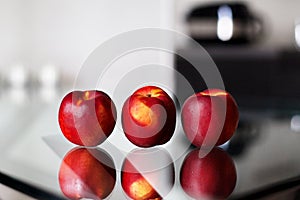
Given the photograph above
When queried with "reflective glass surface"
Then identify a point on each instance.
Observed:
(35, 158)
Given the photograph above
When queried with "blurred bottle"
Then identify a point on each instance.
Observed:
(48, 83)
(17, 84)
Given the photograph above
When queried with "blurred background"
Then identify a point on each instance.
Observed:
(255, 45)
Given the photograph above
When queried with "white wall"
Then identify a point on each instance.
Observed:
(64, 32)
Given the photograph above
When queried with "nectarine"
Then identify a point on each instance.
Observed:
(87, 118)
(149, 117)
(209, 118)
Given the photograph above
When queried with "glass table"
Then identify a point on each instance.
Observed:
(265, 150)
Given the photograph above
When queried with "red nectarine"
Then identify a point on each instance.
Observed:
(87, 118)
(149, 117)
(209, 118)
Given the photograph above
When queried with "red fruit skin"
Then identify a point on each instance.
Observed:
(143, 165)
(211, 177)
(155, 119)
(87, 118)
(87, 173)
(197, 116)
